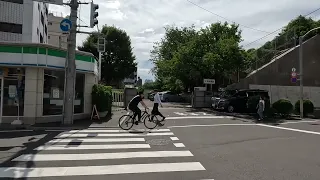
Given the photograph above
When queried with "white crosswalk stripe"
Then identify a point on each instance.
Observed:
(109, 152)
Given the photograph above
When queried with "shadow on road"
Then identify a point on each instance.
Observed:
(28, 147)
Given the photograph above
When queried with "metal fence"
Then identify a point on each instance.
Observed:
(117, 98)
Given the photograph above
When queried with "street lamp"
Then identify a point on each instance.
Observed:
(301, 68)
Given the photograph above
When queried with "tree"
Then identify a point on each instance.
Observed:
(185, 56)
(286, 39)
(118, 61)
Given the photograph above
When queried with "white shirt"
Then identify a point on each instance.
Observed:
(157, 98)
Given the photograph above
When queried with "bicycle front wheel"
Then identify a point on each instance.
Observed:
(125, 122)
(150, 122)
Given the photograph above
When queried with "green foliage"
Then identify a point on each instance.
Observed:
(102, 97)
(286, 39)
(283, 107)
(118, 61)
(308, 107)
(140, 89)
(185, 56)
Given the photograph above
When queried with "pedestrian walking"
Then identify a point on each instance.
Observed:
(156, 102)
(260, 107)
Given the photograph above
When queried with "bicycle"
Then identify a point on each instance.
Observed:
(145, 117)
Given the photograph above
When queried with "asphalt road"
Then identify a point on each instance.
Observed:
(192, 145)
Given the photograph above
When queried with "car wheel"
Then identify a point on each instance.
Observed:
(230, 109)
(166, 100)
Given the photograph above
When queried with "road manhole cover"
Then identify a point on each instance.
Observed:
(158, 142)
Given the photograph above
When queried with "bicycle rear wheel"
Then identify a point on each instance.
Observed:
(150, 122)
(125, 122)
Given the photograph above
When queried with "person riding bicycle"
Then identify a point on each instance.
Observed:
(133, 105)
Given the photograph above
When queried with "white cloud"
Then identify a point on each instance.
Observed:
(144, 20)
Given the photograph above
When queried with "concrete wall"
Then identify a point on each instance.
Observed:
(290, 92)
(278, 71)
(201, 99)
(129, 93)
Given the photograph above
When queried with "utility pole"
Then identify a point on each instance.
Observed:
(70, 70)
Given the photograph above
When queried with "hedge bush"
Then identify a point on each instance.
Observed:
(283, 107)
(102, 97)
(308, 107)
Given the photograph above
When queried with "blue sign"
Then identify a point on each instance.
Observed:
(294, 80)
(65, 25)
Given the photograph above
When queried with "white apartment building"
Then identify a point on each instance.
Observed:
(55, 35)
(23, 21)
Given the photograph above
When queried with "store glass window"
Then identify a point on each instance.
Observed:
(13, 91)
(79, 94)
(53, 92)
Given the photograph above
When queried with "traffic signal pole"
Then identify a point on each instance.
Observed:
(70, 67)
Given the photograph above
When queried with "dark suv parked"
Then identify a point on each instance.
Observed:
(236, 101)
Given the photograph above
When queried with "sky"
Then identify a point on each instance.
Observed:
(144, 20)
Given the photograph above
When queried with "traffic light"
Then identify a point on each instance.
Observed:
(93, 14)
(101, 44)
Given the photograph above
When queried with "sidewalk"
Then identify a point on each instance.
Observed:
(106, 122)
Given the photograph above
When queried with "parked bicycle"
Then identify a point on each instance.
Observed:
(126, 121)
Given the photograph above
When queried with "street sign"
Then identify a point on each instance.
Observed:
(209, 81)
(57, 2)
(65, 25)
(293, 75)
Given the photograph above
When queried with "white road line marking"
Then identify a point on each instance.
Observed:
(210, 125)
(100, 140)
(200, 117)
(100, 156)
(179, 145)
(22, 172)
(297, 122)
(114, 135)
(290, 129)
(174, 138)
(180, 114)
(114, 130)
(103, 146)
(194, 114)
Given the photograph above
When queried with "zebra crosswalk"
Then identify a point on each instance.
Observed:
(111, 153)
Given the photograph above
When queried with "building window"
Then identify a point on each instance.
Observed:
(79, 94)
(38, 6)
(14, 1)
(10, 27)
(13, 92)
(48, 37)
(50, 23)
(42, 18)
(41, 38)
(53, 92)
(37, 31)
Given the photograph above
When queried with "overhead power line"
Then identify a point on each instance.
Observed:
(225, 17)
(277, 30)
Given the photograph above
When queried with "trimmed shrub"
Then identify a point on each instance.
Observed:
(283, 107)
(102, 97)
(308, 107)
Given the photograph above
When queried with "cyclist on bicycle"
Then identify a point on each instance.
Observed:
(133, 105)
